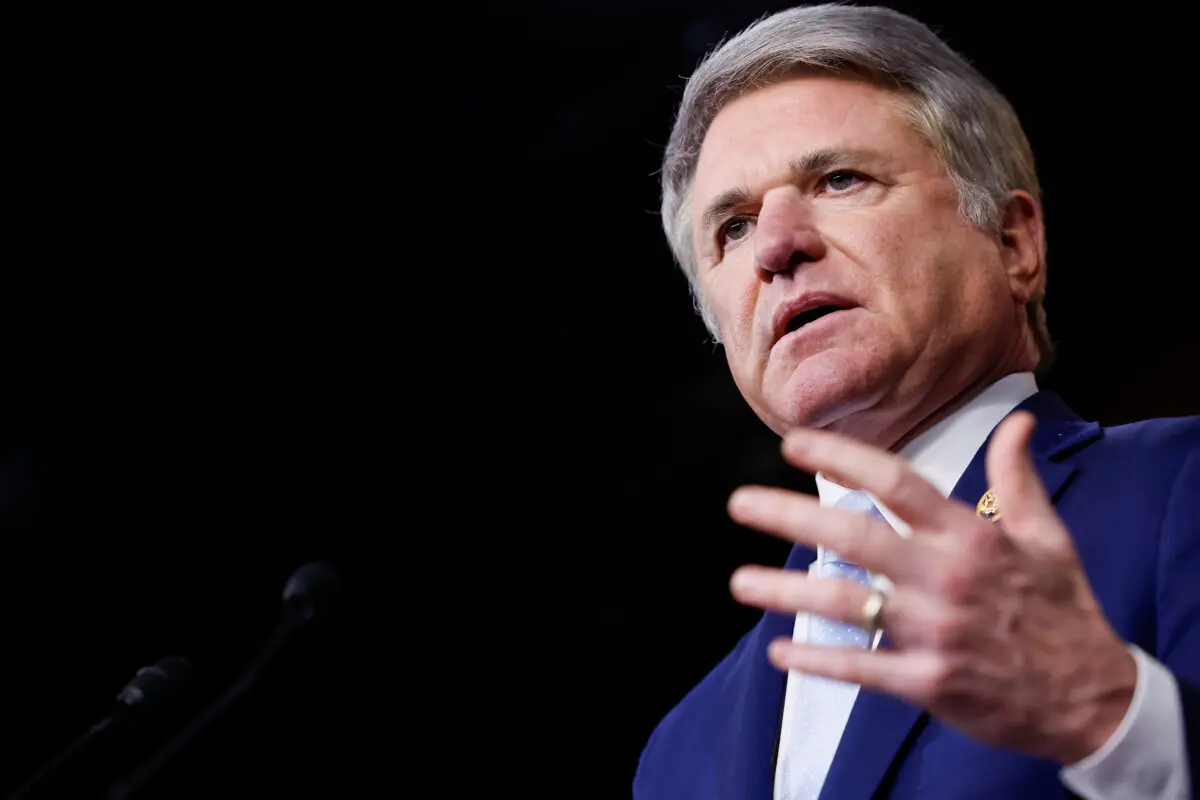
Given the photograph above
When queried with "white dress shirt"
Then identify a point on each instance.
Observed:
(1146, 758)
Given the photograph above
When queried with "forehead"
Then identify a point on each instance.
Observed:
(752, 138)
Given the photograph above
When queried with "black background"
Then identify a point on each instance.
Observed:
(389, 289)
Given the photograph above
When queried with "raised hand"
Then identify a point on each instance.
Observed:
(994, 626)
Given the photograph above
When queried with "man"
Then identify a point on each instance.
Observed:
(992, 598)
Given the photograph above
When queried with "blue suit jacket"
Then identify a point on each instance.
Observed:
(1130, 496)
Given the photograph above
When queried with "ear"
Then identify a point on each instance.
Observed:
(1023, 245)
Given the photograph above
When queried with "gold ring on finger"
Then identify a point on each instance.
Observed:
(872, 612)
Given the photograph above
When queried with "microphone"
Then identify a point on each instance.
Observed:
(308, 597)
(151, 689)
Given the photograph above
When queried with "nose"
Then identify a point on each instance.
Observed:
(786, 235)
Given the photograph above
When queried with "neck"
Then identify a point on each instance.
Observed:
(947, 408)
(1017, 353)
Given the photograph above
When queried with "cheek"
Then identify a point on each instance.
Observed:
(927, 280)
(897, 275)
(961, 299)
(732, 303)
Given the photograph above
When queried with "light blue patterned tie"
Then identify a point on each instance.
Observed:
(824, 705)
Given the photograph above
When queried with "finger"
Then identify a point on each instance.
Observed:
(790, 592)
(907, 674)
(863, 539)
(910, 617)
(1020, 494)
(886, 476)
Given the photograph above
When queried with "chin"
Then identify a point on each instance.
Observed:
(824, 392)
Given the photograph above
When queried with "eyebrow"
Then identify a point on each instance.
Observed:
(800, 170)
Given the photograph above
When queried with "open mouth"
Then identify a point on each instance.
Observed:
(811, 315)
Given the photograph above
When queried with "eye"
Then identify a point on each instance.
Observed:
(841, 181)
(733, 230)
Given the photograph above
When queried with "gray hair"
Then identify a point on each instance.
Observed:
(970, 125)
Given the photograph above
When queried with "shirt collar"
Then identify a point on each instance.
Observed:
(941, 454)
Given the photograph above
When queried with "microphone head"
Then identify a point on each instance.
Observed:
(309, 594)
(157, 682)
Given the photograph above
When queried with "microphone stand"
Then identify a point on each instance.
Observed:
(81, 748)
(149, 694)
(144, 774)
(306, 598)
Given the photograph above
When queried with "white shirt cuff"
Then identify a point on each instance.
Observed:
(1146, 758)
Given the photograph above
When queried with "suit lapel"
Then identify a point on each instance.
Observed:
(881, 727)
(748, 765)
(1059, 431)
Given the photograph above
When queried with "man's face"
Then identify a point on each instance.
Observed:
(849, 291)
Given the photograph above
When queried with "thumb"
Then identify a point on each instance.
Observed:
(1025, 508)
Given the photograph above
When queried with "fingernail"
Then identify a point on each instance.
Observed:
(746, 581)
(778, 650)
(741, 500)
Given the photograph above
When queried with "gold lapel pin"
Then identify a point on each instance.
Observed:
(987, 508)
